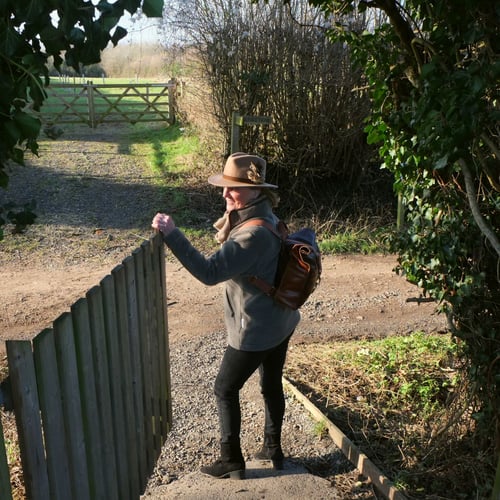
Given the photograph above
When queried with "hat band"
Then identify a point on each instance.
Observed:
(240, 179)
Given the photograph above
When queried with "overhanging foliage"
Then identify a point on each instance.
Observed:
(74, 31)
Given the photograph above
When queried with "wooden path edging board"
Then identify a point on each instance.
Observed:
(365, 466)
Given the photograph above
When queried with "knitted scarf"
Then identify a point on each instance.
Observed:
(223, 224)
(223, 227)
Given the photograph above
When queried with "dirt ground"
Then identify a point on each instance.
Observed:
(95, 199)
(96, 196)
(359, 297)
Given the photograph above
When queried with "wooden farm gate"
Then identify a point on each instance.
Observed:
(98, 104)
(91, 395)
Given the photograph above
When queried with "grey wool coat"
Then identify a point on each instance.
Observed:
(254, 321)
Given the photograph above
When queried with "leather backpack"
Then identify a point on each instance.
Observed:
(299, 265)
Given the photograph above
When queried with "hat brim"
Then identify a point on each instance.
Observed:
(219, 180)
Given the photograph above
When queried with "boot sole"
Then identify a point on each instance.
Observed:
(234, 474)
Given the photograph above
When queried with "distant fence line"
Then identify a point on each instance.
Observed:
(103, 103)
(91, 395)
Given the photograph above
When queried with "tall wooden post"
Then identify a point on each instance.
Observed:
(90, 100)
(172, 92)
(238, 121)
(235, 132)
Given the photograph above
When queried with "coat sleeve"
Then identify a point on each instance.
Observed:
(236, 257)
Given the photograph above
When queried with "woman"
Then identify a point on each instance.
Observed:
(258, 329)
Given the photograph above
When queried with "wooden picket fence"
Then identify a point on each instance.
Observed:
(91, 395)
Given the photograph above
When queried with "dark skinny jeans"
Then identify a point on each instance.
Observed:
(235, 369)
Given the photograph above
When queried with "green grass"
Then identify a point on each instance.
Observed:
(170, 152)
(397, 374)
(320, 429)
(174, 155)
(168, 149)
(406, 369)
(352, 239)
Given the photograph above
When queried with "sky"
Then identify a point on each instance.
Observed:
(141, 31)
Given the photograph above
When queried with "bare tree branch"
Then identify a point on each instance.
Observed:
(476, 213)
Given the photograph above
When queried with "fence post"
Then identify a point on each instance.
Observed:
(90, 100)
(238, 121)
(172, 90)
(235, 132)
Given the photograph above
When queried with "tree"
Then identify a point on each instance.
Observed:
(74, 31)
(433, 68)
(277, 61)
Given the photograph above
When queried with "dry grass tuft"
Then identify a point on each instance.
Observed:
(427, 451)
(13, 454)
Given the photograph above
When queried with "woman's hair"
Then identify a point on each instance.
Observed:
(272, 195)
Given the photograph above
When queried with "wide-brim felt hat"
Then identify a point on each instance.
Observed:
(242, 170)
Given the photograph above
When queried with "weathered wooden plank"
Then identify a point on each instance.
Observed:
(172, 89)
(126, 380)
(101, 371)
(70, 390)
(154, 279)
(144, 335)
(256, 120)
(90, 410)
(165, 386)
(135, 349)
(110, 85)
(153, 354)
(115, 374)
(29, 426)
(49, 393)
(5, 487)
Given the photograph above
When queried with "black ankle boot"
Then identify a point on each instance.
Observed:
(271, 450)
(230, 464)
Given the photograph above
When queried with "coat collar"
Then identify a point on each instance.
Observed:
(260, 208)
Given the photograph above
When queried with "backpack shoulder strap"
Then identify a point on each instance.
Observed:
(281, 231)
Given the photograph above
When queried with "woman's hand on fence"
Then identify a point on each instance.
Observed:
(163, 223)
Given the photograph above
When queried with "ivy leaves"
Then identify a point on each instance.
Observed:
(435, 116)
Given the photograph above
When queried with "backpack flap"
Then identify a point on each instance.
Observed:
(299, 265)
(299, 274)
